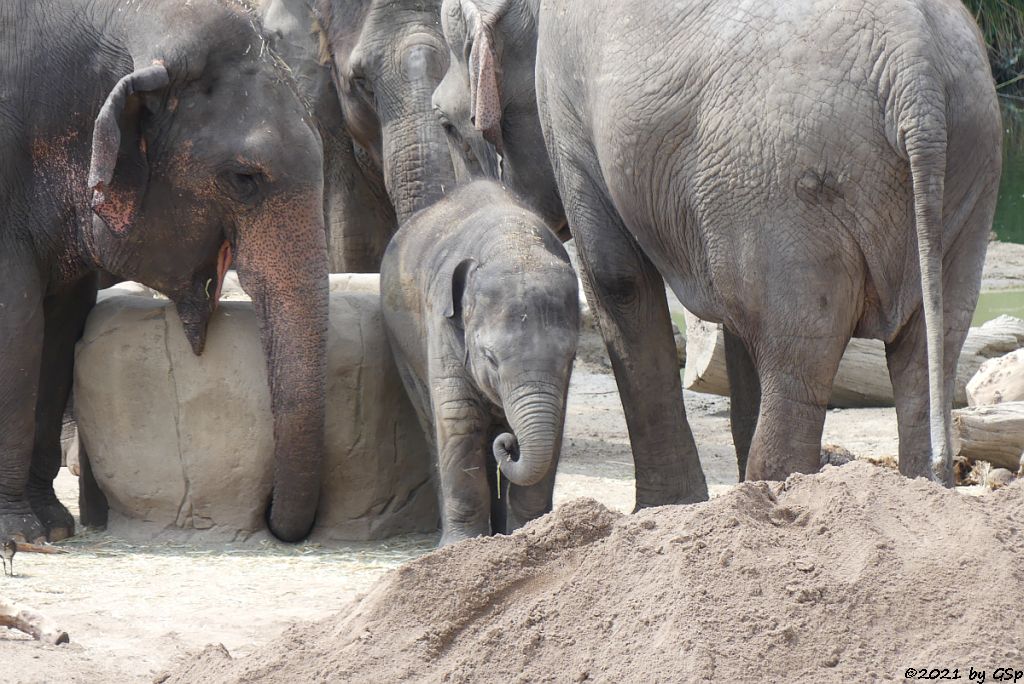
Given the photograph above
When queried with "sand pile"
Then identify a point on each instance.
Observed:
(855, 573)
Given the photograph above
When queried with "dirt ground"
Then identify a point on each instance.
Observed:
(132, 609)
(854, 574)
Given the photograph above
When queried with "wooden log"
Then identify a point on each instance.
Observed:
(29, 621)
(863, 376)
(990, 433)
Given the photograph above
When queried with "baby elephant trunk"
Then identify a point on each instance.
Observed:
(536, 417)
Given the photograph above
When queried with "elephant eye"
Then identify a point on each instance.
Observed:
(244, 186)
(362, 86)
(491, 359)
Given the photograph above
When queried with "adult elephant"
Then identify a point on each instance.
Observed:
(801, 171)
(388, 56)
(157, 146)
(357, 211)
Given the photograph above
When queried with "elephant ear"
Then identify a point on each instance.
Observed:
(454, 291)
(484, 98)
(117, 145)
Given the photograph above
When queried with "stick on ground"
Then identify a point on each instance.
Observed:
(31, 622)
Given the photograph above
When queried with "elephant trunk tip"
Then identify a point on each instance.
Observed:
(506, 448)
(507, 453)
(196, 338)
(288, 531)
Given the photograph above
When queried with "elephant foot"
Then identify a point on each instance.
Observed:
(671, 498)
(58, 522)
(457, 534)
(20, 523)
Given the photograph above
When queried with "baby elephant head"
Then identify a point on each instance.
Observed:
(518, 313)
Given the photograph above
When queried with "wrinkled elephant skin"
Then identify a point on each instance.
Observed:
(139, 150)
(801, 171)
(482, 309)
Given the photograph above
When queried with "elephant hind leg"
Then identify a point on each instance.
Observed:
(907, 358)
(744, 398)
(907, 354)
(796, 373)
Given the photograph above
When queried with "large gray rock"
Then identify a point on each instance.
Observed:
(184, 443)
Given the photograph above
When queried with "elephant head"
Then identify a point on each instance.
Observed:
(517, 312)
(203, 156)
(388, 57)
(489, 91)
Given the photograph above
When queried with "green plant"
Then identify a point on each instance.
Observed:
(1002, 24)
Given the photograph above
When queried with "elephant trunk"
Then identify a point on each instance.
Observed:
(418, 168)
(536, 416)
(282, 263)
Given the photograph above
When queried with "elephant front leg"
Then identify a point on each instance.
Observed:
(461, 429)
(628, 295)
(519, 505)
(64, 321)
(529, 503)
(21, 341)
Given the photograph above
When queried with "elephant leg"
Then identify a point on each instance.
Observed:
(796, 381)
(65, 316)
(93, 507)
(465, 494)
(744, 398)
(627, 294)
(21, 343)
(907, 358)
(907, 353)
(529, 503)
(499, 486)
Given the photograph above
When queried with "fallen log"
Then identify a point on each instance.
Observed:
(29, 621)
(990, 433)
(863, 376)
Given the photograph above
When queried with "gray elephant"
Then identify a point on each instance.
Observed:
(801, 171)
(482, 310)
(387, 58)
(158, 146)
(357, 211)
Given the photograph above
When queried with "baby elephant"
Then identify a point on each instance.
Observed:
(482, 310)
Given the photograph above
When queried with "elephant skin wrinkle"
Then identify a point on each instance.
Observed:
(482, 307)
(182, 445)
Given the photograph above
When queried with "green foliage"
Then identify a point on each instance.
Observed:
(1002, 23)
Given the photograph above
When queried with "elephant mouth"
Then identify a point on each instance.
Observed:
(223, 264)
(196, 307)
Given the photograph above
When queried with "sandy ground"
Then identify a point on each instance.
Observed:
(854, 574)
(132, 609)
(1004, 267)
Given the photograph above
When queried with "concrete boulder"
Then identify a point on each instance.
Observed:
(998, 380)
(180, 443)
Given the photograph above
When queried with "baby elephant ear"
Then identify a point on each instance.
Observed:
(114, 205)
(485, 100)
(460, 276)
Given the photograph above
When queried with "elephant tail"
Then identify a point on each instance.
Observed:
(924, 133)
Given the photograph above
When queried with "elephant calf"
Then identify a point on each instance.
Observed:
(482, 309)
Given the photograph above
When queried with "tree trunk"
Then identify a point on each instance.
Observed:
(863, 377)
(990, 433)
